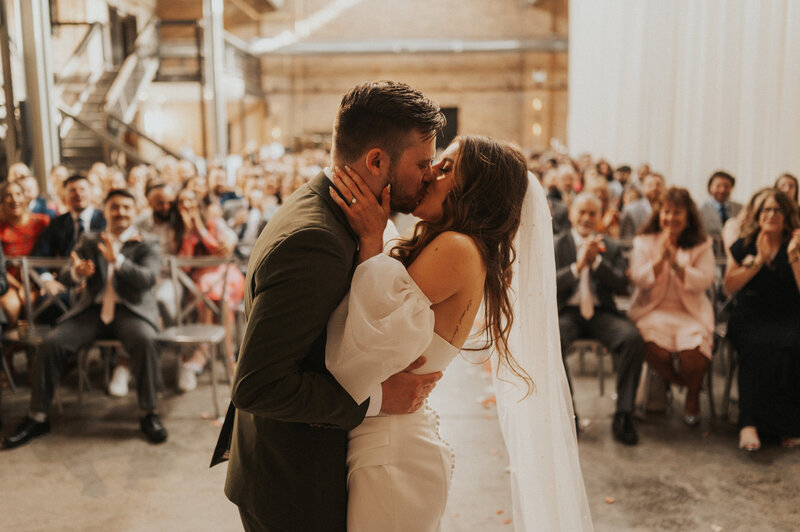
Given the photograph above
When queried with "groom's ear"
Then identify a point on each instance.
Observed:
(376, 161)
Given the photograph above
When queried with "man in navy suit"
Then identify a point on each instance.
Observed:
(58, 238)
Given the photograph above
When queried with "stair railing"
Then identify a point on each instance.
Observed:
(137, 72)
(76, 80)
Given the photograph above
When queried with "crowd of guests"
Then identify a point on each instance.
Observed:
(619, 236)
(113, 231)
(682, 267)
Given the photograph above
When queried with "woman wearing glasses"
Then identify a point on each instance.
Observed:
(764, 271)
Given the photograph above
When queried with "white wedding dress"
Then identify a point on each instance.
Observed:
(399, 468)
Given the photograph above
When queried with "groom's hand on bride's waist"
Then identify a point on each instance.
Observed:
(405, 392)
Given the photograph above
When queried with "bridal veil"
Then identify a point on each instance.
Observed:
(547, 487)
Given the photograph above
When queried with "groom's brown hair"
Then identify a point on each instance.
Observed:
(381, 114)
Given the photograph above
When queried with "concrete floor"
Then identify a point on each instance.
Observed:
(95, 472)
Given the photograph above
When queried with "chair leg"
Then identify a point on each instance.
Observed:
(81, 354)
(726, 394)
(648, 379)
(213, 348)
(710, 385)
(7, 371)
(601, 370)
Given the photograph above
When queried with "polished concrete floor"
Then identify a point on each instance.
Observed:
(95, 472)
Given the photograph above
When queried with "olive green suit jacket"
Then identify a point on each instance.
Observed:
(288, 450)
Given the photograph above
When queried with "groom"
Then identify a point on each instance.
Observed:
(288, 466)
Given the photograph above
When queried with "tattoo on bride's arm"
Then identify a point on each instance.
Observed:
(460, 320)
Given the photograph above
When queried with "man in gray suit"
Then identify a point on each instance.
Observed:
(590, 271)
(719, 207)
(119, 268)
(288, 467)
(635, 214)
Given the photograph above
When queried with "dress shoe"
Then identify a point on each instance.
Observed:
(26, 431)
(153, 429)
(691, 420)
(118, 387)
(623, 429)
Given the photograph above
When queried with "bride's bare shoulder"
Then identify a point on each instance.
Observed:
(455, 247)
(450, 263)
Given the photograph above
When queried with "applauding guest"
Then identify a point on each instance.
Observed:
(672, 266)
(590, 271)
(119, 268)
(764, 271)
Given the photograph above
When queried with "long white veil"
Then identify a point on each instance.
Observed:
(546, 481)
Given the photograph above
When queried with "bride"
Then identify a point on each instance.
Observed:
(422, 300)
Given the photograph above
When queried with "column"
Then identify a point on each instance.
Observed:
(36, 38)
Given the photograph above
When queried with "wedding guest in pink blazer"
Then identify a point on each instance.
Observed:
(672, 266)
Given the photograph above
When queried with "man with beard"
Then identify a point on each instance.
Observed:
(288, 466)
(119, 268)
(157, 221)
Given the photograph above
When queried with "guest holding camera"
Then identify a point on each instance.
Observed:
(764, 272)
(672, 266)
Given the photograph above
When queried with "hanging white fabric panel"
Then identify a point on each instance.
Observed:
(689, 87)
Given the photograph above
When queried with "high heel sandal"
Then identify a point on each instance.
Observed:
(749, 441)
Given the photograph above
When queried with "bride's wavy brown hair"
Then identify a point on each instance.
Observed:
(491, 179)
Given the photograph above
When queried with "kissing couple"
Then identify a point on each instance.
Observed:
(331, 430)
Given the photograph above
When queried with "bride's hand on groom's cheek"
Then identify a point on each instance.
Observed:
(404, 392)
(367, 217)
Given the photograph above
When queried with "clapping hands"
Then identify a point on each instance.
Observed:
(794, 243)
(591, 247)
(83, 268)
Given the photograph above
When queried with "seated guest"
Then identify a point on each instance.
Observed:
(619, 184)
(719, 208)
(672, 267)
(637, 213)
(120, 268)
(764, 272)
(37, 203)
(787, 183)
(157, 221)
(558, 211)
(608, 223)
(566, 183)
(193, 237)
(63, 232)
(590, 271)
(58, 174)
(731, 231)
(17, 171)
(19, 229)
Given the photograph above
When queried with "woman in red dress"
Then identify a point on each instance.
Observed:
(19, 229)
(196, 236)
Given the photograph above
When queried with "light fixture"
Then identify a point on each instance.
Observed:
(537, 129)
(537, 104)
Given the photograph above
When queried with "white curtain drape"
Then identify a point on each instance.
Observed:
(688, 86)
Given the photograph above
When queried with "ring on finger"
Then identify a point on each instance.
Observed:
(353, 201)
